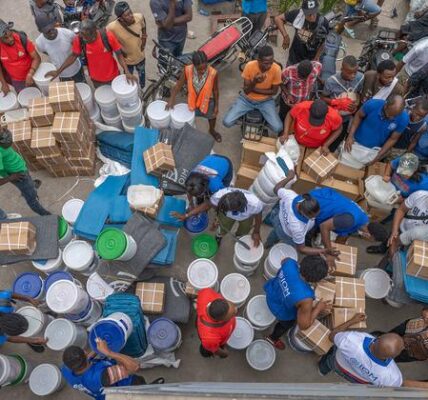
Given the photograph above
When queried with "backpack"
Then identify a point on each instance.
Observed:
(104, 39)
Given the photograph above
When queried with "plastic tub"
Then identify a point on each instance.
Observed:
(45, 379)
(65, 233)
(377, 283)
(249, 257)
(87, 96)
(62, 333)
(37, 321)
(204, 246)
(130, 129)
(96, 114)
(114, 244)
(41, 80)
(158, 116)
(164, 335)
(202, 273)
(104, 96)
(79, 256)
(258, 313)
(64, 297)
(181, 115)
(71, 210)
(97, 287)
(295, 343)
(277, 254)
(382, 192)
(89, 316)
(27, 94)
(235, 288)
(260, 355)
(126, 94)
(29, 284)
(60, 276)
(244, 269)
(115, 121)
(132, 116)
(242, 335)
(8, 102)
(10, 369)
(51, 265)
(197, 223)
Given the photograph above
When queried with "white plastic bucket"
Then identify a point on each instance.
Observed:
(41, 80)
(66, 239)
(115, 244)
(27, 94)
(51, 265)
(130, 129)
(260, 355)
(97, 287)
(87, 97)
(126, 94)
(62, 333)
(65, 297)
(96, 114)
(123, 321)
(295, 343)
(276, 255)
(377, 283)
(258, 313)
(242, 335)
(248, 260)
(181, 115)
(45, 379)
(235, 288)
(158, 116)
(71, 210)
(243, 269)
(115, 121)
(202, 273)
(79, 256)
(10, 369)
(8, 102)
(267, 274)
(37, 321)
(382, 192)
(88, 317)
(132, 116)
(105, 98)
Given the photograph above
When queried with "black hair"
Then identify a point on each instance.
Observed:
(13, 324)
(350, 61)
(197, 184)
(313, 268)
(304, 68)
(265, 51)
(422, 103)
(218, 309)
(199, 58)
(74, 358)
(385, 65)
(309, 205)
(88, 25)
(233, 201)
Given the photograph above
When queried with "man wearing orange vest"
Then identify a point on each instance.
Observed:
(202, 89)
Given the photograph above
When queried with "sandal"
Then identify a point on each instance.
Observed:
(350, 32)
(217, 137)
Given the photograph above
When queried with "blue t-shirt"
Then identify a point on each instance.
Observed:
(254, 6)
(421, 148)
(407, 186)
(411, 130)
(216, 168)
(333, 203)
(375, 129)
(6, 307)
(287, 289)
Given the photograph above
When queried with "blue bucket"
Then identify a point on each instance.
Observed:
(29, 284)
(197, 223)
(164, 335)
(57, 276)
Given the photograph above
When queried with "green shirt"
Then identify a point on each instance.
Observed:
(11, 162)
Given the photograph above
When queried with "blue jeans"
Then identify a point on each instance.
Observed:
(243, 105)
(29, 192)
(368, 6)
(141, 70)
(175, 48)
(277, 233)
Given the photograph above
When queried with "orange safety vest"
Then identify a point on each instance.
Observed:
(201, 101)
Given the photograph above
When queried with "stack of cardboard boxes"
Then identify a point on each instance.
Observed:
(17, 238)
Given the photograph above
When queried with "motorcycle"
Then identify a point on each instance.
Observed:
(98, 11)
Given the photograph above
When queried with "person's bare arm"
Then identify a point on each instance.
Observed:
(399, 215)
(415, 384)
(129, 363)
(388, 172)
(68, 61)
(345, 326)
(131, 79)
(399, 66)
(288, 124)
(310, 251)
(168, 22)
(280, 23)
(27, 299)
(256, 231)
(325, 228)
(270, 92)
(197, 210)
(35, 62)
(415, 139)
(291, 174)
(29, 340)
(356, 121)
(385, 148)
(250, 86)
(307, 313)
(334, 135)
(183, 19)
(4, 85)
(216, 93)
(175, 90)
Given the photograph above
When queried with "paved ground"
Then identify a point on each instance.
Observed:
(290, 366)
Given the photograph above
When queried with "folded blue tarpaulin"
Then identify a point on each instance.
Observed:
(120, 210)
(167, 254)
(117, 146)
(170, 204)
(416, 288)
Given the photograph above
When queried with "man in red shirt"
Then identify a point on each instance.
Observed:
(19, 59)
(314, 123)
(215, 322)
(99, 47)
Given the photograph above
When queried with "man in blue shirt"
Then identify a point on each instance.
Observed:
(255, 11)
(378, 124)
(290, 296)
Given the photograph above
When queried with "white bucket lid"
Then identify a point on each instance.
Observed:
(182, 114)
(202, 273)
(27, 94)
(78, 255)
(104, 95)
(242, 335)
(280, 251)
(60, 333)
(44, 68)
(121, 87)
(246, 256)
(258, 311)
(35, 318)
(48, 265)
(261, 355)
(97, 287)
(71, 210)
(156, 110)
(8, 102)
(377, 283)
(235, 288)
(62, 296)
(45, 379)
(84, 90)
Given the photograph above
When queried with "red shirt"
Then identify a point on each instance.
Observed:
(15, 59)
(309, 135)
(102, 65)
(212, 337)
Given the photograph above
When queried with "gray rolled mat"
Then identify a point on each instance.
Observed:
(46, 238)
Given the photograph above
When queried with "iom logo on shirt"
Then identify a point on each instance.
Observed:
(392, 126)
(283, 284)
(364, 371)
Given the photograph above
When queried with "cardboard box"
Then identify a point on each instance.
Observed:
(71, 127)
(21, 135)
(152, 296)
(319, 166)
(85, 171)
(159, 159)
(245, 176)
(375, 214)
(417, 259)
(43, 142)
(40, 112)
(377, 168)
(84, 161)
(350, 293)
(325, 290)
(152, 212)
(53, 161)
(316, 337)
(344, 172)
(17, 238)
(253, 153)
(190, 291)
(339, 316)
(64, 96)
(346, 263)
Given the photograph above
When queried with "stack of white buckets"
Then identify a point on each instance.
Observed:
(177, 117)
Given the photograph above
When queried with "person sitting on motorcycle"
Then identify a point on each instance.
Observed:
(414, 30)
(367, 8)
(255, 11)
(202, 90)
(382, 83)
(262, 78)
(311, 28)
(314, 123)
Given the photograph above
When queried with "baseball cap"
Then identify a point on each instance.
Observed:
(310, 7)
(408, 164)
(4, 27)
(121, 8)
(317, 112)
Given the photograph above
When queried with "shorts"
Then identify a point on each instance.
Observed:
(369, 6)
(209, 114)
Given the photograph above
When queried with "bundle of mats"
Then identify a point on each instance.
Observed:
(117, 146)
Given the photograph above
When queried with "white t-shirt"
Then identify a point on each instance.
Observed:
(58, 51)
(353, 355)
(254, 206)
(417, 57)
(290, 222)
(417, 203)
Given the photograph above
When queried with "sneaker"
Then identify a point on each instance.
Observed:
(278, 344)
(218, 239)
(380, 249)
(323, 371)
(37, 183)
(158, 381)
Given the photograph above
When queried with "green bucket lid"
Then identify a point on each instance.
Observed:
(111, 243)
(204, 246)
(22, 373)
(62, 227)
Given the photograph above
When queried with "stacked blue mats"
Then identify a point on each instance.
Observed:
(167, 255)
(117, 146)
